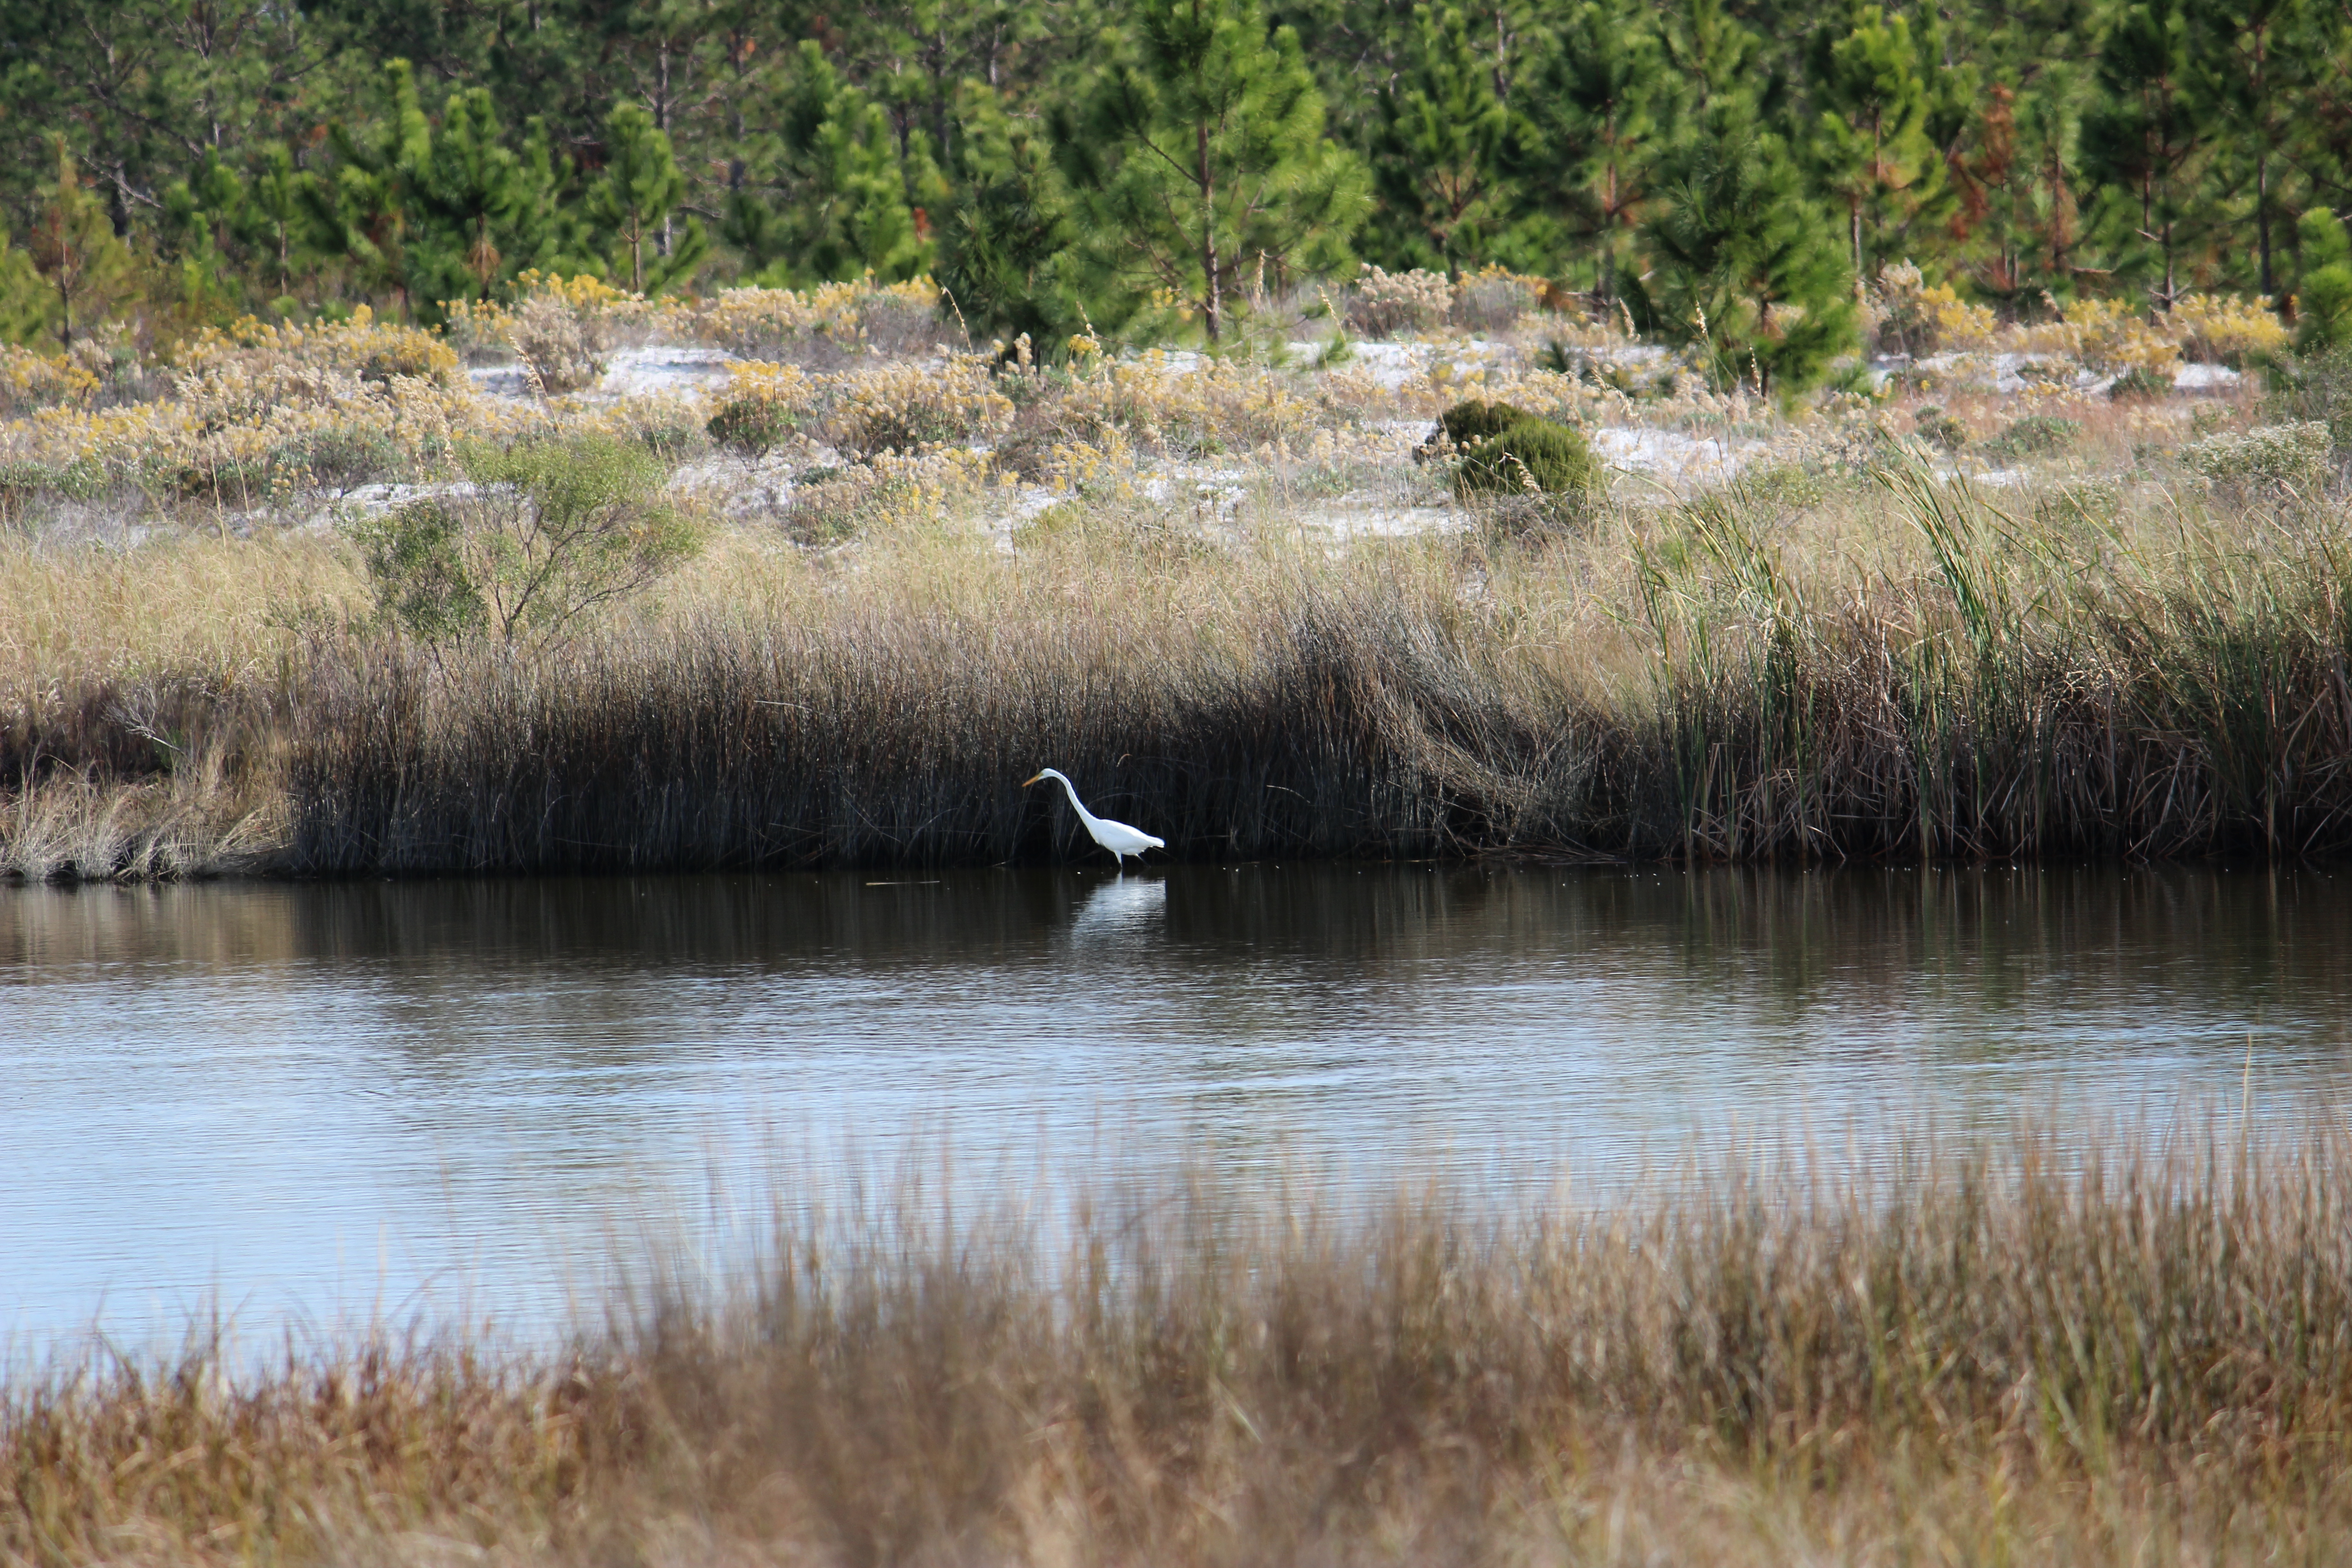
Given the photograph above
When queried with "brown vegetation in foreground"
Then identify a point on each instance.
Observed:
(1994, 1357)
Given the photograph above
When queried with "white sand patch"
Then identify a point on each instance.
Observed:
(2206, 378)
(1393, 365)
(1347, 520)
(1676, 458)
(664, 370)
(2006, 372)
(500, 380)
(660, 370)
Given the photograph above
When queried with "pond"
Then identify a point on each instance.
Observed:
(313, 1105)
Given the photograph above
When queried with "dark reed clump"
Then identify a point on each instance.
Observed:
(1919, 676)
(1331, 727)
(1991, 1352)
(2014, 695)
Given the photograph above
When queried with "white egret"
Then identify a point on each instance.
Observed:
(1116, 837)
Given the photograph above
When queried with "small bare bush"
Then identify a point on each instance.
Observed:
(1384, 304)
(904, 409)
(30, 381)
(827, 325)
(561, 347)
(1495, 300)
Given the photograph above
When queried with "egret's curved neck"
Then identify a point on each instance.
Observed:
(1088, 818)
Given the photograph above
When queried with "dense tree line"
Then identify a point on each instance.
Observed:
(1141, 165)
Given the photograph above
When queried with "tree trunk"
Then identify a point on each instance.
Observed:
(1212, 310)
(2262, 217)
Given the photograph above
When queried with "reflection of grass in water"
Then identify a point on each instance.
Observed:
(1987, 1355)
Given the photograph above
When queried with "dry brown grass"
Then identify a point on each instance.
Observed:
(1991, 1355)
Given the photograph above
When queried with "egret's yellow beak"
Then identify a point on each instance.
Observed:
(1026, 783)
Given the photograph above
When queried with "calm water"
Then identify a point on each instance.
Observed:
(315, 1104)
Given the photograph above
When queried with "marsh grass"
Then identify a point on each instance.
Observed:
(1903, 668)
(1708, 684)
(1995, 1351)
(1168, 579)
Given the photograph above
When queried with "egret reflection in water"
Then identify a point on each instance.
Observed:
(1121, 909)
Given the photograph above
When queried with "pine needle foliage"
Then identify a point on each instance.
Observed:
(1199, 163)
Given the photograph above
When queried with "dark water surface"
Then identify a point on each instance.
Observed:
(314, 1103)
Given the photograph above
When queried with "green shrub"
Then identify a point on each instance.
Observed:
(241, 481)
(2085, 504)
(1475, 420)
(2316, 386)
(550, 532)
(2324, 302)
(2270, 457)
(1504, 450)
(2141, 382)
(830, 504)
(415, 558)
(24, 485)
(1801, 486)
(752, 426)
(2035, 435)
(1938, 428)
(897, 430)
(673, 441)
(341, 457)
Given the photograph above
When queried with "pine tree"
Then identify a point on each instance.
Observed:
(277, 215)
(2319, 145)
(24, 294)
(1438, 150)
(1586, 142)
(1005, 250)
(1744, 267)
(89, 271)
(640, 188)
(834, 199)
(202, 216)
(2248, 65)
(1870, 137)
(2145, 140)
(2021, 185)
(469, 195)
(551, 232)
(1714, 55)
(1198, 161)
(2324, 302)
(365, 212)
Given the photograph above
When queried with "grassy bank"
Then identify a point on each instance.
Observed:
(1903, 669)
(1225, 598)
(1994, 1357)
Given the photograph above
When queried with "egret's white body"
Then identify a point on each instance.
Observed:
(1116, 837)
